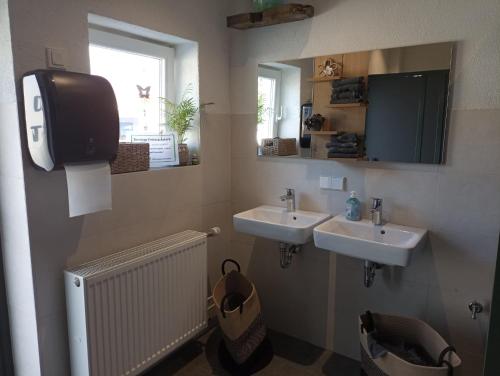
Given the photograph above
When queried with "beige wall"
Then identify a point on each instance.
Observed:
(458, 202)
(146, 205)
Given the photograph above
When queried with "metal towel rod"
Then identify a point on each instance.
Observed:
(214, 231)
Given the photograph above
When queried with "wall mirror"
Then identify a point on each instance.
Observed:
(380, 105)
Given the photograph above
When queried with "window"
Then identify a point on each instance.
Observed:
(269, 81)
(141, 73)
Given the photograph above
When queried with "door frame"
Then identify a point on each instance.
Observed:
(492, 360)
(6, 367)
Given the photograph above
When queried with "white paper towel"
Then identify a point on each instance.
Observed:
(89, 187)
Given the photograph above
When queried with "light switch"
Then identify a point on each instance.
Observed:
(325, 182)
(330, 182)
(56, 58)
(338, 183)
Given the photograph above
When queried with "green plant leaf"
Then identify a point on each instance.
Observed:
(179, 116)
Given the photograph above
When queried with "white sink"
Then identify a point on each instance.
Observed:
(388, 244)
(274, 222)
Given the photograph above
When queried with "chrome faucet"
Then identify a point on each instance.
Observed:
(376, 211)
(290, 199)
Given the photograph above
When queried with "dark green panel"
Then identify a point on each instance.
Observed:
(492, 364)
(394, 117)
(436, 97)
(406, 116)
(5, 354)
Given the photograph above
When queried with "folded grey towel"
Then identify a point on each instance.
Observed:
(341, 150)
(342, 155)
(335, 143)
(346, 100)
(345, 137)
(358, 86)
(347, 94)
(347, 81)
(374, 347)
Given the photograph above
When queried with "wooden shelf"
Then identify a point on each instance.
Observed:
(346, 159)
(321, 132)
(325, 79)
(348, 105)
(277, 15)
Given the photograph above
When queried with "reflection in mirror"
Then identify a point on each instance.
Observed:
(380, 105)
(283, 90)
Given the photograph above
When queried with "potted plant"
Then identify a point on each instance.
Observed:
(179, 118)
(261, 109)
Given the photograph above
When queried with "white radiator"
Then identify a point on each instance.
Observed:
(128, 310)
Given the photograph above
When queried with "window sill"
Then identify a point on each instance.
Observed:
(157, 169)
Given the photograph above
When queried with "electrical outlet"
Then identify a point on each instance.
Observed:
(325, 182)
(338, 183)
(56, 58)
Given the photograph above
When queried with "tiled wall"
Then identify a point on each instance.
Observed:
(146, 205)
(458, 202)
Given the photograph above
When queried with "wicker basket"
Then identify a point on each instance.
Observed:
(131, 157)
(279, 146)
(413, 331)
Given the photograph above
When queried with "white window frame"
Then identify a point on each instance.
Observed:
(120, 42)
(275, 74)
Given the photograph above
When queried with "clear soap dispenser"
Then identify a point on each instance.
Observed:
(353, 208)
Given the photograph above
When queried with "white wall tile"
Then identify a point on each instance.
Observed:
(389, 294)
(474, 141)
(462, 261)
(216, 159)
(469, 202)
(294, 300)
(243, 135)
(218, 246)
(449, 314)
(409, 197)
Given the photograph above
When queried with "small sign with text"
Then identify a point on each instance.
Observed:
(162, 149)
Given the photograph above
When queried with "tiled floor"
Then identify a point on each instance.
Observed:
(289, 357)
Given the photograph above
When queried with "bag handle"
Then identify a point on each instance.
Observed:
(223, 267)
(367, 322)
(224, 300)
(441, 360)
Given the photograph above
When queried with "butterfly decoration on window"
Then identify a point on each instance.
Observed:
(143, 91)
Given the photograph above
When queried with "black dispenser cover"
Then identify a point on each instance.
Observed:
(81, 116)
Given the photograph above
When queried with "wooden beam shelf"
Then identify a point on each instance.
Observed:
(277, 15)
(324, 79)
(348, 105)
(324, 133)
(345, 159)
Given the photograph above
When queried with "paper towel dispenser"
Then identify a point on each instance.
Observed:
(70, 118)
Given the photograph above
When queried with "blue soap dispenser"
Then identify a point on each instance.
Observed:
(353, 208)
